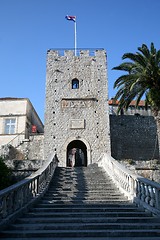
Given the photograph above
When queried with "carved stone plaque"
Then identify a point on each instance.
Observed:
(77, 103)
(76, 123)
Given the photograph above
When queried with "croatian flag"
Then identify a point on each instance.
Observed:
(71, 18)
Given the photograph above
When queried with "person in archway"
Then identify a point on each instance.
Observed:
(72, 157)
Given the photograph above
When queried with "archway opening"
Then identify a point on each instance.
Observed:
(75, 83)
(76, 154)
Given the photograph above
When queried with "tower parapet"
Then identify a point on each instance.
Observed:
(79, 52)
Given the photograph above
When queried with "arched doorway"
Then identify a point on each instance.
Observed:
(77, 151)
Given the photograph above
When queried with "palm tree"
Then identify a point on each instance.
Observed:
(141, 78)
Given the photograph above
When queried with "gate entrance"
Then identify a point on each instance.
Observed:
(76, 154)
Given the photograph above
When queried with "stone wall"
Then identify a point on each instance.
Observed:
(34, 148)
(23, 168)
(31, 149)
(133, 137)
(148, 169)
(27, 158)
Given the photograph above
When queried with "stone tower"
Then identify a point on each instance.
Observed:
(76, 114)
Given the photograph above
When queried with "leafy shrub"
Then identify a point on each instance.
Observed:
(130, 161)
(5, 175)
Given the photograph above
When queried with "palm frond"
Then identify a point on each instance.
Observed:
(144, 50)
(158, 58)
(153, 50)
(124, 66)
(123, 80)
(131, 56)
(142, 77)
(139, 97)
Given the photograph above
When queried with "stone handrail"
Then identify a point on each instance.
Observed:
(17, 138)
(140, 190)
(20, 196)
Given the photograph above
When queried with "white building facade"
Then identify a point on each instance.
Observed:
(18, 119)
(132, 109)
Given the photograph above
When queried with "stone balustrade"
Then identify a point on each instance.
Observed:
(140, 190)
(19, 197)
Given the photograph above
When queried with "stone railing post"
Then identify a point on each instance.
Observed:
(157, 198)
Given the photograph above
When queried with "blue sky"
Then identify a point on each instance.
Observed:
(28, 28)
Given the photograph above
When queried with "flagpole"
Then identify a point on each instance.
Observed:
(73, 18)
(75, 38)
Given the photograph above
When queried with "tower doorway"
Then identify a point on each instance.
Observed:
(76, 154)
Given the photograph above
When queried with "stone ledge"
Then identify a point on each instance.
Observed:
(28, 165)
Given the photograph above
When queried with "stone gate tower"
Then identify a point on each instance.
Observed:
(76, 115)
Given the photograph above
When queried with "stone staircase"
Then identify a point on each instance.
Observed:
(83, 203)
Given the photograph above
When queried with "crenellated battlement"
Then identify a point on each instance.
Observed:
(79, 52)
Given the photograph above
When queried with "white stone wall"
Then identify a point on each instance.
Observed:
(16, 110)
(76, 114)
(33, 118)
(9, 107)
(20, 127)
(25, 116)
(132, 110)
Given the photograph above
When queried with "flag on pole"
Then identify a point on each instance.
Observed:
(71, 18)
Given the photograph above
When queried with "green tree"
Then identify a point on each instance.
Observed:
(141, 78)
(5, 175)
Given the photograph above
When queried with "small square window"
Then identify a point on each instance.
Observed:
(10, 125)
(75, 83)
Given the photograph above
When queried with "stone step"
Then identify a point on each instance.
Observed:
(96, 192)
(78, 209)
(84, 214)
(128, 205)
(86, 238)
(83, 196)
(27, 219)
(93, 177)
(93, 201)
(83, 226)
(82, 186)
(93, 190)
(83, 233)
(96, 177)
(88, 189)
(75, 192)
(79, 206)
(83, 180)
(93, 167)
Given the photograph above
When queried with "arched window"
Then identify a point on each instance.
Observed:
(75, 83)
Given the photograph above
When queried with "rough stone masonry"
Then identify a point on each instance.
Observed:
(76, 112)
